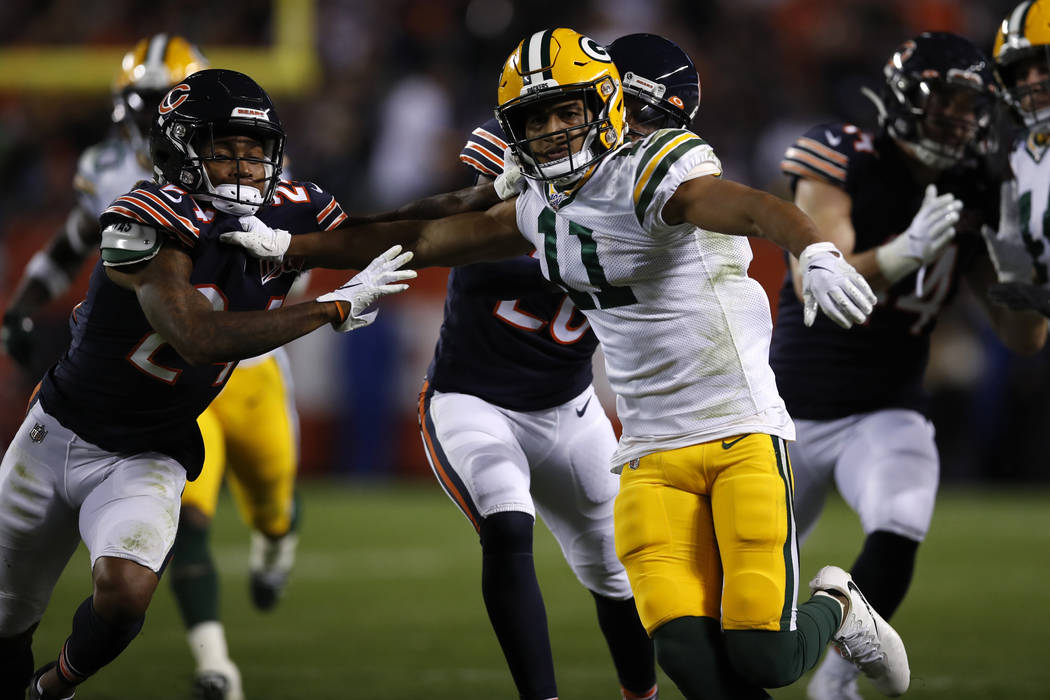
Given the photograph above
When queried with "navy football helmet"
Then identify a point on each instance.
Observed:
(659, 80)
(939, 98)
(206, 105)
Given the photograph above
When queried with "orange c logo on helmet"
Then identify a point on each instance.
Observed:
(171, 100)
(677, 101)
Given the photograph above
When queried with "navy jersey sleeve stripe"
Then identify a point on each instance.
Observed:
(142, 211)
(484, 152)
(804, 163)
(186, 223)
(333, 214)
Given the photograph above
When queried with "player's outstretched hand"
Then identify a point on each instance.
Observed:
(1020, 296)
(1006, 247)
(362, 291)
(831, 283)
(932, 228)
(509, 183)
(259, 240)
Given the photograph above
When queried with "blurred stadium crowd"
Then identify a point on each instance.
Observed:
(402, 84)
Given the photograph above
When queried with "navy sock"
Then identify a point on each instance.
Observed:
(16, 664)
(93, 643)
(631, 648)
(194, 580)
(514, 603)
(884, 570)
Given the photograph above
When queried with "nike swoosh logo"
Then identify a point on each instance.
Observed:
(583, 409)
(726, 444)
(874, 620)
(832, 138)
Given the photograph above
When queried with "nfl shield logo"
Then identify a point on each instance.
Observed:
(38, 433)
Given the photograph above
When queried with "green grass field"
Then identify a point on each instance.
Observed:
(385, 603)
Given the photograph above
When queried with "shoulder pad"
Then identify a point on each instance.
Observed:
(319, 201)
(483, 151)
(125, 242)
(657, 156)
(151, 205)
(824, 153)
(660, 163)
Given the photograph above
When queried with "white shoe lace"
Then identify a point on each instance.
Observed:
(861, 648)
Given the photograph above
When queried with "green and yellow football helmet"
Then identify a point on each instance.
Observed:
(553, 66)
(147, 72)
(1024, 38)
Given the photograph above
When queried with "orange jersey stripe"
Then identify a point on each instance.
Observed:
(183, 220)
(428, 442)
(822, 150)
(495, 158)
(491, 138)
(795, 169)
(159, 218)
(340, 219)
(478, 164)
(816, 163)
(327, 210)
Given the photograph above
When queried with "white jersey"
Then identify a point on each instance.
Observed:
(1030, 162)
(685, 332)
(106, 171)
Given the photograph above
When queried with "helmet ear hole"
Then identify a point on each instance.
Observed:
(191, 114)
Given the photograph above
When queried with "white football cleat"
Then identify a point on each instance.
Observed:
(834, 679)
(864, 637)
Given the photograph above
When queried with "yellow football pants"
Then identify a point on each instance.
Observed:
(707, 530)
(252, 428)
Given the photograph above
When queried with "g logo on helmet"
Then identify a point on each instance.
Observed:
(594, 50)
(173, 99)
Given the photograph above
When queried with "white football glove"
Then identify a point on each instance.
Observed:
(259, 240)
(510, 182)
(363, 290)
(831, 283)
(1006, 248)
(932, 228)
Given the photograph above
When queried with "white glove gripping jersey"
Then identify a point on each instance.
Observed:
(1030, 162)
(684, 330)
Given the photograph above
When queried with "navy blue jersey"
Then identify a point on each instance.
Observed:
(509, 336)
(827, 372)
(119, 385)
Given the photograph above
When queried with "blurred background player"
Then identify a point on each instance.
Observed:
(1022, 57)
(907, 206)
(510, 422)
(251, 427)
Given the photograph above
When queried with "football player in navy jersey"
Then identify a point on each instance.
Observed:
(252, 425)
(509, 419)
(908, 206)
(111, 436)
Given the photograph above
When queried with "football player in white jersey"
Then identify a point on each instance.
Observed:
(252, 426)
(1022, 57)
(649, 243)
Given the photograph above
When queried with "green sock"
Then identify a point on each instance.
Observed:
(194, 580)
(692, 653)
(775, 659)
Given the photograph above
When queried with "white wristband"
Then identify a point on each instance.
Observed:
(894, 261)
